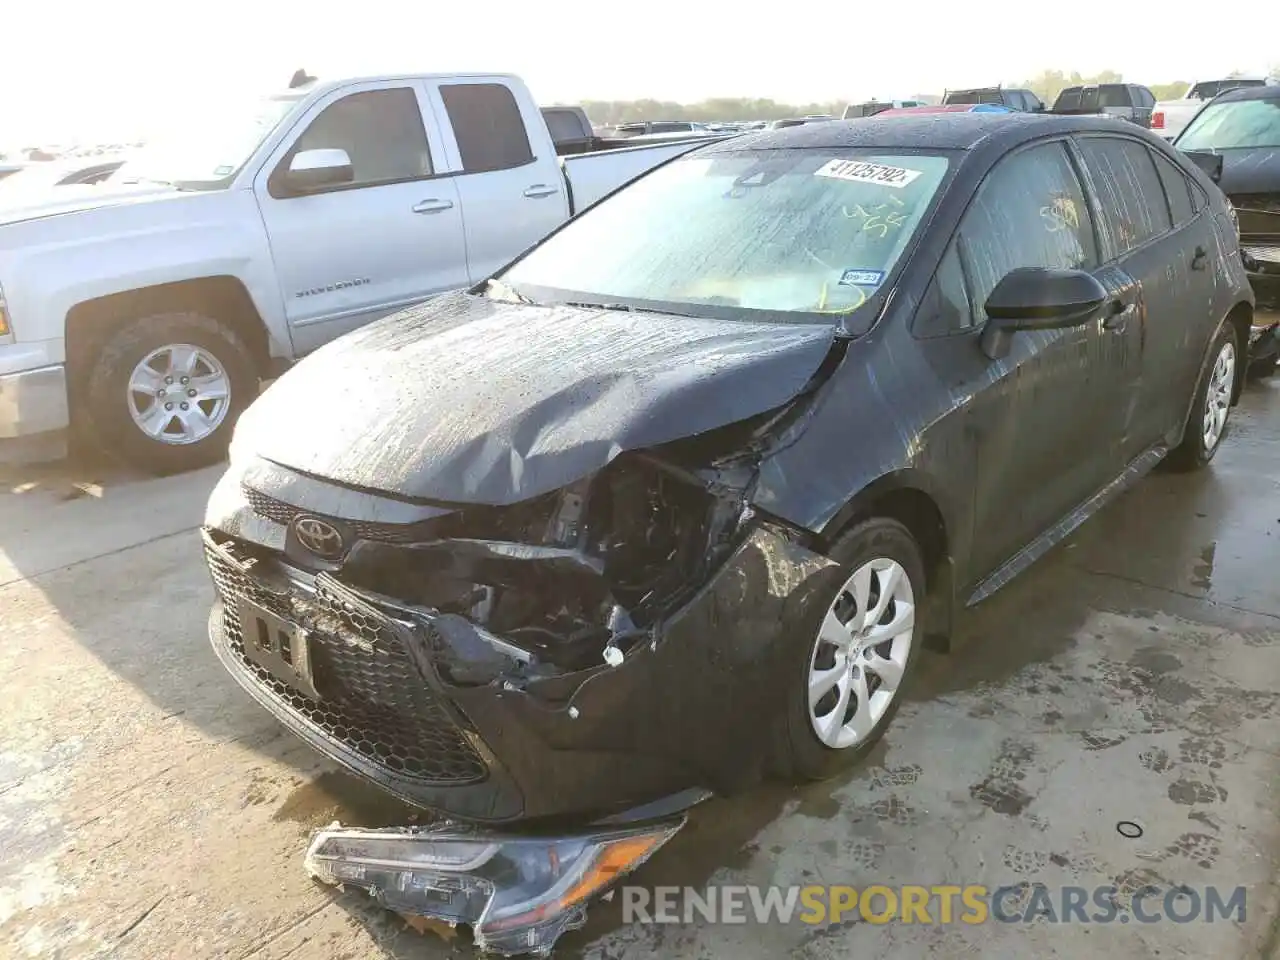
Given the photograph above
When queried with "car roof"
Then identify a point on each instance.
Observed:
(938, 131)
(1269, 92)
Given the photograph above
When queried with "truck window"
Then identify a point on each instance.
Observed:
(1068, 99)
(1114, 95)
(381, 131)
(565, 125)
(486, 121)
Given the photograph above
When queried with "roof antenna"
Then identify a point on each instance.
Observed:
(300, 79)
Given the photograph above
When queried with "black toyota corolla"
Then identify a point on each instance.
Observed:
(676, 498)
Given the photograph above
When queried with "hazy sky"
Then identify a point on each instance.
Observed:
(117, 67)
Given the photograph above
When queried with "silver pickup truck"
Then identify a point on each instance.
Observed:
(142, 312)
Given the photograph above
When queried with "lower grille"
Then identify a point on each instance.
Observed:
(373, 701)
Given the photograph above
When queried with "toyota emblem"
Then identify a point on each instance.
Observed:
(319, 536)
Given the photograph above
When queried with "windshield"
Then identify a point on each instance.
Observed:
(1234, 125)
(799, 236)
(209, 149)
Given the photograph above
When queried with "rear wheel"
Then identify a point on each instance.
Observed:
(166, 391)
(1211, 407)
(848, 680)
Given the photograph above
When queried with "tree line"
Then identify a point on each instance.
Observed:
(1047, 85)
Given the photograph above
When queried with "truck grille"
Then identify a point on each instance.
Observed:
(373, 700)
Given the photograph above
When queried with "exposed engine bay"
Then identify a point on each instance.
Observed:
(566, 580)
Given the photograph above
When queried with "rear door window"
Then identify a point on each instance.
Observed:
(487, 124)
(1130, 193)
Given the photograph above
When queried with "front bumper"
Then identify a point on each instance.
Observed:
(692, 707)
(33, 402)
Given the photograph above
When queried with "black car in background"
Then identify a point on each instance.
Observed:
(1240, 131)
(678, 496)
(1024, 101)
(1129, 101)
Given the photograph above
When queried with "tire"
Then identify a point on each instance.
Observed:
(1199, 444)
(799, 754)
(110, 405)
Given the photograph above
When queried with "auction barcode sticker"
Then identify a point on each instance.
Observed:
(861, 171)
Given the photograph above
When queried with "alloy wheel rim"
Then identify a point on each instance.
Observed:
(178, 394)
(1217, 401)
(860, 655)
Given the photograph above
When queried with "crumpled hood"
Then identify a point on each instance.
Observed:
(471, 400)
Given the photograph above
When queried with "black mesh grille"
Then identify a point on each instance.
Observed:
(373, 702)
(283, 513)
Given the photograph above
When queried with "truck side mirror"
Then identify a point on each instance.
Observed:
(312, 170)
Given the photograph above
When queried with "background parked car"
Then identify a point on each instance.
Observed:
(1024, 101)
(34, 178)
(1169, 117)
(870, 108)
(947, 108)
(1237, 135)
(645, 127)
(1129, 101)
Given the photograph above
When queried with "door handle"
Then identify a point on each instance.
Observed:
(1200, 259)
(1118, 315)
(540, 190)
(433, 206)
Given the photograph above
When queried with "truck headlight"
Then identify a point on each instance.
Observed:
(5, 328)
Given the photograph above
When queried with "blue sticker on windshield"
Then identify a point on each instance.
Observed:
(862, 278)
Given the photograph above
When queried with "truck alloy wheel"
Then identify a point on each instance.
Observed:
(166, 390)
(179, 394)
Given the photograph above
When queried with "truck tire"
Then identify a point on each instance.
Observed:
(166, 390)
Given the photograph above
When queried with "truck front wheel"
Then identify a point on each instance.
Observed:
(166, 390)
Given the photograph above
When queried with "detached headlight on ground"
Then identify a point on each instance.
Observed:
(518, 894)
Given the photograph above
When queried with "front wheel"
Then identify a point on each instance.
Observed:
(1211, 408)
(166, 391)
(848, 679)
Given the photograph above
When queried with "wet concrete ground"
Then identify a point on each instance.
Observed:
(149, 809)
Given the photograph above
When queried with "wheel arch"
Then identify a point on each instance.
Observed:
(224, 298)
(1241, 317)
(910, 497)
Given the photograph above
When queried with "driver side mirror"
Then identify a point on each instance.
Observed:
(1035, 298)
(311, 170)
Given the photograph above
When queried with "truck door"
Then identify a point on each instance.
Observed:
(386, 236)
(509, 179)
